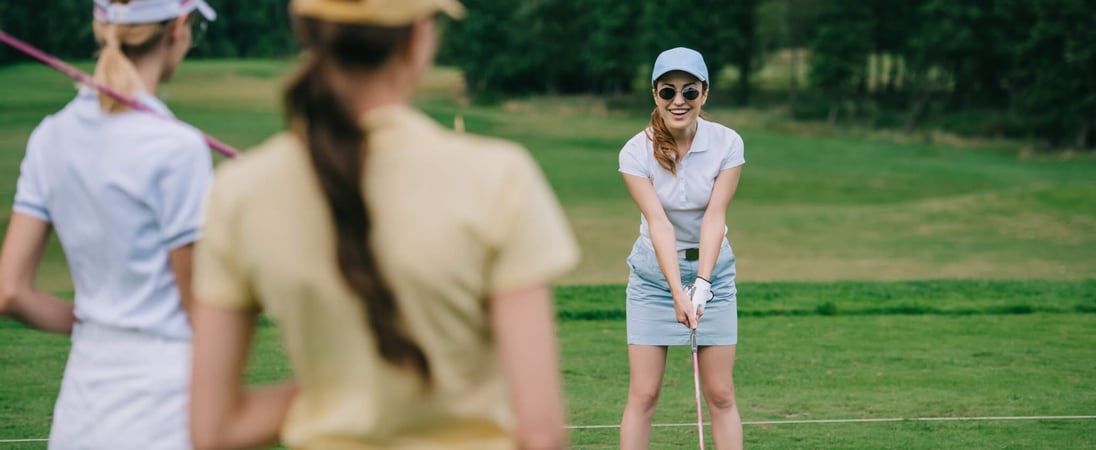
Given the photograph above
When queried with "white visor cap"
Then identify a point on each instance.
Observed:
(150, 11)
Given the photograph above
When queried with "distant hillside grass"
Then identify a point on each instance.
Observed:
(810, 207)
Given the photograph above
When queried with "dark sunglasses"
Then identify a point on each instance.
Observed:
(668, 93)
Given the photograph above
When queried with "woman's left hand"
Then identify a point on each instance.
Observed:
(700, 295)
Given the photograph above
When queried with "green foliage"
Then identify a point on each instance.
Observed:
(507, 47)
(249, 29)
(972, 43)
(840, 47)
(60, 27)
(944, 56)
(701, 25)
(1006, 68)
(611, 62)
(593, 46)
(244, 28)
(482, 46)
(1056, 71)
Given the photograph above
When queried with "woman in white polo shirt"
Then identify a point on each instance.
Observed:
(123, 190)
(682, 172)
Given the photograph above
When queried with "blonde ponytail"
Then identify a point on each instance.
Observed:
(114, 69)
(118, 44)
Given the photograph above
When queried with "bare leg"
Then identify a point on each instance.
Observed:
(717, 382)
(646, 364)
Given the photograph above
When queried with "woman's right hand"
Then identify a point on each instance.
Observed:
(683, 307)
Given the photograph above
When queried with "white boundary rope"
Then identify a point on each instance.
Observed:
(781, 422)
(820, 421)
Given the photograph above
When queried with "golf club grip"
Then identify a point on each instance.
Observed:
(690, 289)
(74, 73)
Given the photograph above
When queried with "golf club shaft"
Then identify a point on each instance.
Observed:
(696, 385)
(77, 75)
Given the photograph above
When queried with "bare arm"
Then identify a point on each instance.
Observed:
(664, 242)
(24, 244)
(714, 224)
(523, 322)
(182, 264)
(222, 414)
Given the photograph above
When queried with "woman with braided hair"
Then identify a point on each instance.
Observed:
(405, 265)
(123, 190)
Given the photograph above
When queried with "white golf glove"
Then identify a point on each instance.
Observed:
(701, 294)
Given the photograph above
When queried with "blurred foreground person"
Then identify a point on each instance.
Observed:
(405, 265)
(123, 189)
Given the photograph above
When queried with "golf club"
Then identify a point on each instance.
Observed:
(77, 75)
(689, 290)
(696, 385)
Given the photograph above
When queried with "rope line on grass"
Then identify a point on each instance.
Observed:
(778, 422)
(821, 421)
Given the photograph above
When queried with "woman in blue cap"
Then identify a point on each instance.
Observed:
(123, 190)
(682, 172)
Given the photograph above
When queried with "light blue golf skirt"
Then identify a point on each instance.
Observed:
(650, 310)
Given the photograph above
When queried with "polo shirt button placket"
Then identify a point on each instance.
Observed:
(681, 183)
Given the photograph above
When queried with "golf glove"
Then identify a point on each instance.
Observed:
(701, 294)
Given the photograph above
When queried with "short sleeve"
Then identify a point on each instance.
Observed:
(736, 155)
(31, 189)
(633, 157)
(536, 243)
(181, 184)
(219, 275)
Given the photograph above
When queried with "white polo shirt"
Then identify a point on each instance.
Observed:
(122, 190)
(684, 196)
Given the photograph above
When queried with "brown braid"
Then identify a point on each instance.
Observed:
(337, 148)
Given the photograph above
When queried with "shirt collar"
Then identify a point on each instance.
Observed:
(701, 140)
(150, 101)
(396, 116)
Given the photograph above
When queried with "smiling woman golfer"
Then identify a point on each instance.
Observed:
(682, 171)
(123, 190)
(405, 265)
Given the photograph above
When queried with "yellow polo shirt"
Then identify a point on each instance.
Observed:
(457, 218)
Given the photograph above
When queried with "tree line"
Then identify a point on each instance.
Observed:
(1023, 68)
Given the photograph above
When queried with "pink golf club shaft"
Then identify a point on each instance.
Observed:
(696, 385)
(72, 72)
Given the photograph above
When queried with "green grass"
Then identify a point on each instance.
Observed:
(848, 298)
(859, 367)
(834, 232)
(967, 359)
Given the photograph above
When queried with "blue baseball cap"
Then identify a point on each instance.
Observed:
(684, 59)
(149, 11)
